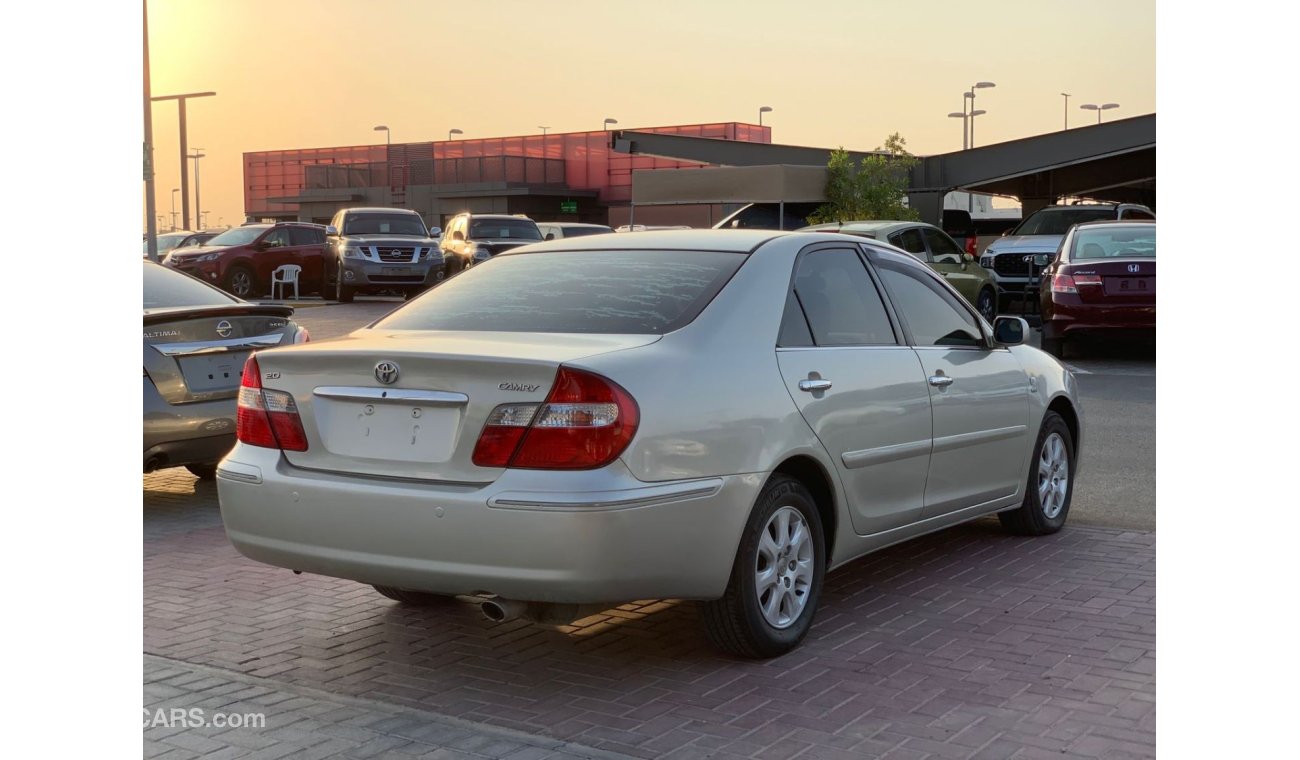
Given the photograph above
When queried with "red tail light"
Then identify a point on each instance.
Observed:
(585, 422)
(1063, 283)
(267, 418)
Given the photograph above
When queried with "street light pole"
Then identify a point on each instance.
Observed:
(973, 114)
(543, 130)
(150, 204)
(1066, 95)
(605, 126)
(961, 115)
(761, 111)
(454, 132)
(197, 204)
(387, 132)
(175, 190)
(185, 177)
(970, 98)
(1099, 108)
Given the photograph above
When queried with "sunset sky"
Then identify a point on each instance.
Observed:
(313, 73)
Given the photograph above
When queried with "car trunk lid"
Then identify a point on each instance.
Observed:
(424, 423)
(1117, 280)
(197, 354)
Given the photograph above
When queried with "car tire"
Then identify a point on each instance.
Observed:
(241, 283)
(749, 621)
(1050, 484)
(417, 598)
(344, 293)
(203, 471)
(1053, 346)
(987, 304)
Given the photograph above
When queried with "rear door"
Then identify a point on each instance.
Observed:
(979, 395)
(861, 391)
(309, 250)
(947, 259)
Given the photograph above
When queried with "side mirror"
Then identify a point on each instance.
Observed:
(969, 258)
(1010, 331)
(331, 231)
(458, 236)
(435, 232)
(549, 236)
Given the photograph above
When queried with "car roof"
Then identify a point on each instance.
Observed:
(381, 209)
(1116, 223)
(575, 224)
(869, 225)
(737, 241)
(495, 216)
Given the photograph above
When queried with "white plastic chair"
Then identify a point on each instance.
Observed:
(283, 275)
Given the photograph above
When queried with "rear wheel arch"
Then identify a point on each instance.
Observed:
(814, 477)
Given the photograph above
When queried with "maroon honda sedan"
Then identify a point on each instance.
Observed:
(1102, 282)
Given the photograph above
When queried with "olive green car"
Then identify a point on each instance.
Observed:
(933, 246)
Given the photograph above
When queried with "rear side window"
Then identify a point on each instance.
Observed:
(166, 289)
(306, 236)
(909, 240)
(840, 300)
(611, 292)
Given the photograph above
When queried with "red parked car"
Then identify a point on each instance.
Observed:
(241, 259)
(1102, 282)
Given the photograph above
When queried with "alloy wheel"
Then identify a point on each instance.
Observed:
(783, 569)
(1053, 476)
(241, 284)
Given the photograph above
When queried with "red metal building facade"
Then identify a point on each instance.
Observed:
(589, 163)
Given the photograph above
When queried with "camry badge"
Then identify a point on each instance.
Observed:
(223, 328)
(386, 372)
(1133, 267)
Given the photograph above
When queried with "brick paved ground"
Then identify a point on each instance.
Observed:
(965, 644)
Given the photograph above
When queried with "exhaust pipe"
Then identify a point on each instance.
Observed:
(500, 610)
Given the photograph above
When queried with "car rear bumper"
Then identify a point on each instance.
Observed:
(529, 535)
(1078, 318)
(179, 434)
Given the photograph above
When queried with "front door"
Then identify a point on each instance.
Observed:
(979, 394)
(859, 388)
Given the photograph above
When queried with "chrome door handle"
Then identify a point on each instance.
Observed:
(814, 385)
(940, 381)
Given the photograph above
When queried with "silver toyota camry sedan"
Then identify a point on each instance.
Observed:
(719, 415)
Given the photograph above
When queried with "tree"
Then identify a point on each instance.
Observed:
(873, 188)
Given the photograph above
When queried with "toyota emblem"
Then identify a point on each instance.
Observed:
(386, 372)
(1133, 268)
(224, 328)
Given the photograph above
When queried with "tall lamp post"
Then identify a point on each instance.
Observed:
(761, 111)
(605, 126)
(175, 190)
(1066, 95)
(197, 205)
(451, 132)
(1099, 108)
(185, 178)
(970, 99)
(387, 132)
(543, 130)
(150, 203)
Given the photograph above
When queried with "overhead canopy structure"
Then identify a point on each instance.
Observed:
(733, 184)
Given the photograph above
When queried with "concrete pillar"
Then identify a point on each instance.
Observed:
(929, 205)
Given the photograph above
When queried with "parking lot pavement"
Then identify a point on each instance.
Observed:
(965, 644)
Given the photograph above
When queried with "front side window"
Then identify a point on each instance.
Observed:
(942, 249)
(909, 240)
(840, 301)
(277, 239)
(933, 315)
(604, 292)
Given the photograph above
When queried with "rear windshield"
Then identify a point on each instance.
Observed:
(613, 292)
(1058, 221)
(581, 231)
(1115, 243)
(166, 289)
(384, 224)
(504, 229)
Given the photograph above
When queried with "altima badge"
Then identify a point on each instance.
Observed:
(386, 372)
